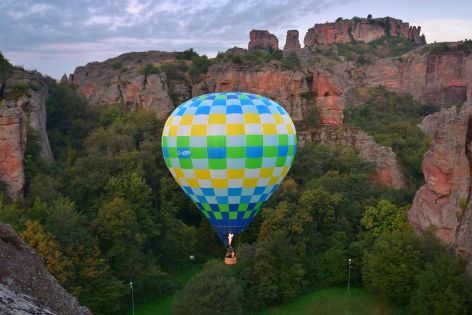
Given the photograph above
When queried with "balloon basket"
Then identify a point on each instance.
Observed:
(230, 258)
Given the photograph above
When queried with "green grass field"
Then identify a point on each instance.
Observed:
(332, 301)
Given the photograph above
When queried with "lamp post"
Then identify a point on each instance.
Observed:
(132, 295)
(349, 276)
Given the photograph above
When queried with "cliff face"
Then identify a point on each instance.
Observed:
(25, 285)
(263, 40)
(444, 201)
(292, 41)
(23, 105)
(119, 81)
(364, 30)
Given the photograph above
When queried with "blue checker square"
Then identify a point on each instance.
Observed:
(283, 150)
(208, 191)
(263, 109)
(259, 190)
(216, 153)
(195, 103)
(234, 191)
(166, 151)
(233, 207)
(180, 111)
(245, 199)
(251, 206)
(254, 152)
(246, 101)
(222, 200)
(232, 97)
(234, 109)
(214, 207)
(202, 199)
(203, 110)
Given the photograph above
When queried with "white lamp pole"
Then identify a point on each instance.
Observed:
(349, 276)
(132, 295)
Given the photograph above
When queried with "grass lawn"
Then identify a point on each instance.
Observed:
(332, 301)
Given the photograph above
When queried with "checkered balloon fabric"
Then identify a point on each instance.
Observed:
(229, 152)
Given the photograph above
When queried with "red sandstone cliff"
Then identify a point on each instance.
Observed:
(263, 40)
(364, 30)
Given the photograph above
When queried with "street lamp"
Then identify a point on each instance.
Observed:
(132, 295)
(349, 276)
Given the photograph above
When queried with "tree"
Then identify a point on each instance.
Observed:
(385, 217)
(46, 246)
(442, 287)
(213, 291)
(390, 267)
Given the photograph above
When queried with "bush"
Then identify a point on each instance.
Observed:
(149, 69)
(291, 61)
(188, 54)
(438, 49)
(116, 65)
(6, 69)
(213, 291)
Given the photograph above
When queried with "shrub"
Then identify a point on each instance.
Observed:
(116, 65)
(291, 61)
(149, 69)
(188, 54)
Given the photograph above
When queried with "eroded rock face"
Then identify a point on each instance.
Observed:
(119, 81)
(292, 41)
(444, 201)
(12, 149)
(25, 285)
(364, 30)
(441, 80)
(263, 40)
(388, 170)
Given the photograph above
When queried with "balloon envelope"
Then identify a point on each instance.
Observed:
(229, 152)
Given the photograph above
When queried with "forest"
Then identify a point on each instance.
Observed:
(108, 212)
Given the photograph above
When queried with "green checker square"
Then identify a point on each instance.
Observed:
(271, 151)
(220, 97)
(164, 141)
(235, 152)
(216, 141)
(253, 162)
(186, 163)
(206, 214)
(168, 162)
(218, 215)
(258, 205)
(217, 164)
(291, 150)
(198, 153)
(233, 215)
(254, 140)
(283, 139)
(203, 97)
(243, 97)
(281, 160)
(183, 141)
(224, 208)
(242, 207)
(247, 214)
(206, 207)
(172, 153)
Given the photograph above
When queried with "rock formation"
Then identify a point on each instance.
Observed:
(120, 81)
(444, 201)
(23, 105)
(263, 40)
(292, 41)
(364, 30)
(25, 285)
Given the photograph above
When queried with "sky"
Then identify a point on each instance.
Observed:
(56, 36)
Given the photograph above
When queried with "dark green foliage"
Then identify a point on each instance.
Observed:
(390, 267)
(188, 54)
(312, 118)
(116, 65)
(213, 291)
(465, 46)
(17, 91)
(6, 69)
(291, 61)
(277, 54)
(149, 69)
(200, 65)
(439, 48)
(392, 120)
(174, 71)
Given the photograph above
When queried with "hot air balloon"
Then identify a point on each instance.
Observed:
(229, 152)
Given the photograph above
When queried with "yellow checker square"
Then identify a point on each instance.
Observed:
(236, 173)
(235, 129)
(269, 129)
(179, 173)
(279, 119)
(273, 181)
(216, 119)
(290, 129)
(198, 130)
(173, 131)
(267, 171)
(285, 170)
(249, 182)
(186, 120)
(252, 118)
(202, 174)
(192, 182)
(219, 183)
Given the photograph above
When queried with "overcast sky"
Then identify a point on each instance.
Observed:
(55, 36)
